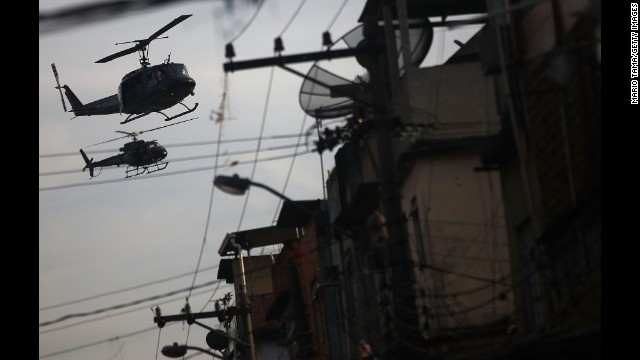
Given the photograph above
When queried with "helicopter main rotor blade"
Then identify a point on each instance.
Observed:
(104, 142)
(119, 54)
(127, 133)
(175, 22)
(141, 44)
(141, 132)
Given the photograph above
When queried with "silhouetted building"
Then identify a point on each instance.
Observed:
(546, 59)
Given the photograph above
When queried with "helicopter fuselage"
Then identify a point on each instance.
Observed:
(135, 153)
(142, 91)
(154, 88)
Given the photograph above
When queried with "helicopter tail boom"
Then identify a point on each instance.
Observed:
(89, 163)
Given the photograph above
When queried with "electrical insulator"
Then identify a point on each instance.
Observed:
(278, 46)
(229, 53)
(326, 39)
(161, 322)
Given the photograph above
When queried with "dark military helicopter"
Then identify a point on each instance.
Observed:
(140, 156)
(142, 91)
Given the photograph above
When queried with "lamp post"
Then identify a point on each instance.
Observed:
(177, 351)
(246, 302)
(236, 185)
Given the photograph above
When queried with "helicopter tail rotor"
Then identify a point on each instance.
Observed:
(55, 73)
(89, 163)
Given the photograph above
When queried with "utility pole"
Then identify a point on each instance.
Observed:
(406, 338)
(246, 302)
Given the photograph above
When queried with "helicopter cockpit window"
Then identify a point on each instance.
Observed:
(168, 69)
(160, 73)
(180, 69)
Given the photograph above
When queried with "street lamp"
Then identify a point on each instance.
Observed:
(235, 185)
(177, 351)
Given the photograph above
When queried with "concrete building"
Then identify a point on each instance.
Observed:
(547, 61)
(464, 207)
(451, 209)
(292, 300)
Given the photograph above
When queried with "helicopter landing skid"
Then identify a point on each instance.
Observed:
(129, 118)
(182, 113)
(149, 169)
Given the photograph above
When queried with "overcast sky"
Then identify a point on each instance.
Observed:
(107, 234)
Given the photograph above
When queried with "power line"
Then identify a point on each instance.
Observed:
(190, 158)
(120, 306)
(255, 160)
(246, 26)
(215, 170)
(117, 314)
(135, 287)
(195, 143)
(295, 14)
(168, 173)
(100, 342)
(335, 17)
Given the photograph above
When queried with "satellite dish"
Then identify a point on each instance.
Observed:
(337, 98)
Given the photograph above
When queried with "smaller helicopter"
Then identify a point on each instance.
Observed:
(140, 156)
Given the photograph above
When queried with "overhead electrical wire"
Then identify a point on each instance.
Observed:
(295, 14)
(294, 156)
(286, 181)
(255, 160)
(488, 281)
(120, 313)
(335, 17)
(215, 171)
(169, 173)
(189, 158)
(196, 143)
(304, 119)
(118, 351)
(100, 342)
(213, 293)
(246, 26)
(135, 287)
(120, 306)
(483, 234)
